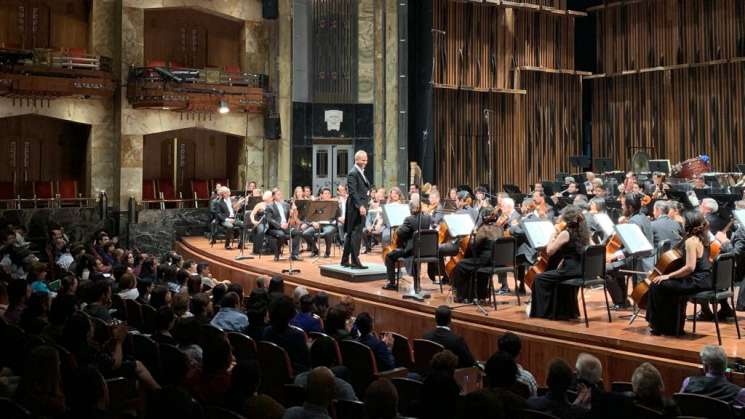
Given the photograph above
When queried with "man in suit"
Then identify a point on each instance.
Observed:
(356, 208)
(664, 228)
(445, 337)
(277, 216)
(510, 216)
(222, 210)
(437, 210)
(413, 223)
(710, 208)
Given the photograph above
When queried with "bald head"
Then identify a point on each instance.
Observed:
(321, 387)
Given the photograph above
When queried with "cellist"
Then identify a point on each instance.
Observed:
(477, 256)
(415, 222)
(450, 248)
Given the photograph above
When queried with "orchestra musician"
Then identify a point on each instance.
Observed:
(435, 208)
(700, 182)
(222, 210)
(509, 217)
(710, 209)
(597, 206)
(308, 193)
(374, 220)
(664, 228)
(477, 256)
(278, 218)
(542, 208)
(631, 205)
(326, 229)
(356, 210)
(674, 211)
(736, 245)
(668, 293)
(452, 194)
(451, 248)
(565, 250)
(298, 194)
(482, 202)
(417, 221)
(660, 186)
(258, 220)
(525, 256)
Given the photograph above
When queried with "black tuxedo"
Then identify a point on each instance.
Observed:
(358, 187)
(220, 212)
(405, 245)
(274, 220)
(454, 343)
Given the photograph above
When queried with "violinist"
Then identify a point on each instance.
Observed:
(405, 233)
(597, 206)
(565, 249)
(543, 210)
(482, 202)
(477, 256)
(509, 217)
(373, 229)
(278, 218)
(668, 293)
(308, 193)
(258, 220)
(631, 205)
(435, 207)
(736, 245)
(660, 186)
(223, 211)
(298, 194)
(710, 208)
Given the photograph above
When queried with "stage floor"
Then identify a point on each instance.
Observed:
(620, 337)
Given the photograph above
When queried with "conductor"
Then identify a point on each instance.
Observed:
(356, 209)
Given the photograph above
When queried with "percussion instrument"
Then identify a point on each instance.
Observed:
(691, 168)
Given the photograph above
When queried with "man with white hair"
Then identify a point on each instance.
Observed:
(417, 221)
(714, 383)
(710, 208)
(508, 217)
(356, 209)
(222, 210)
(591, 394)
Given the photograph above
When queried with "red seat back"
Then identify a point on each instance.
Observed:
(43, 189)
(232, 69)
(7, 190)
(156, 63)
(201, 187)
(148, 190)
(165, 186)
(67, 188)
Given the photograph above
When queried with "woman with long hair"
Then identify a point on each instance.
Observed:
(565, 249)
(668, 293)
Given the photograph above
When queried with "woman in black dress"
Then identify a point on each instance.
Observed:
(668, 293)
(565, 249)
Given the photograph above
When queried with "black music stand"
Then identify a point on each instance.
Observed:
(581, 162)
(247, 208)
(635, 246)
(681, 197)
(511, 189)
(662, 166)
(602, 165)
(320, 212)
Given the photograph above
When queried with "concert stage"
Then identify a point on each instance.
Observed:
(621, 347)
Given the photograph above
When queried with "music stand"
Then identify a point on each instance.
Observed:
(660, 166)
(682, 197)
(740, 167)
(581, 162)
(247, 208)
(459, 225)
(538, 233)
(602, 165)
(449, 205)
(511, 189)
(605, 223)
(635, 245)
(321, 212)
(395, 214)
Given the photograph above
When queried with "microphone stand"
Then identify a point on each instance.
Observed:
(290, 270)
(416, 293)
(246, 214)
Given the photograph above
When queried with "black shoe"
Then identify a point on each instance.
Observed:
(345, 264)
(366, 251)
(326, 256)
(358, 266)
(314, 254)
(295, 258)
(702, 316)
(390, 287)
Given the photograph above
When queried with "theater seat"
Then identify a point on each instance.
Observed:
(43, 189)
(165, 187)
(201, 188)
(7, 190)
(148, 190)
(156, 63)
(232, 69)
(67, 188)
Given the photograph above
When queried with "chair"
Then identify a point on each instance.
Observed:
(244, 348)
(117, 303)
(324, 345)
(211, 332)
(273, 379)
(347, 409)
(200, 188)
(535, 414)
(294, 395)
(147, 351)
(7, 190)
(43, 189)
(149, 192)
(216, 412)
(402, 352)
(134, 313)
(722, 274)
(703, 406)
(232, 69)
(174, 365)
(409, 394)
(426, 250)
(101, 330)
(67, 188)
(166, 189)
(502, 262)
(360, 360)
(644, 412)
(593, 274)
(621, 387)
(424, 351)
(13, 410)
(148, 318)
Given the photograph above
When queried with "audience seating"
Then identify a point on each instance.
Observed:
(149, 192)
(166, 189)
(174, 364)
(101, 330)
(215, 412)
(703, 406)
(118, 304)
(347, 409)
(409, 394)
(148, 318)
(324, 338)
(200, 189)
(402, 352)
(209, 331)
(273, 379)
(621, 387)
(360, 360)
(12, 410)
(147, 351)
(593, 274)
(43, 189)
(723, 288)
(67, 189)
(134, 314)
(424, 351)
(122, 394)
(244, 348)
(643, 412)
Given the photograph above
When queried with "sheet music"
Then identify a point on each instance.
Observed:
(395, 214)
(605, 223)
(634, 240)
(538, 233)
(739, 215)
(459, 225)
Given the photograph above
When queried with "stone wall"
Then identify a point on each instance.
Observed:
(79, 223)
(156, 230)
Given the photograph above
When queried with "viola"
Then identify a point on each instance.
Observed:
(541, 264)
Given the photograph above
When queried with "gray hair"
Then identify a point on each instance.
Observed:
(647, 382)
(711, 204)
(509, 202)
(414, 204)
(589, 368)
(663, 206)
(223, 189)
(713, 358)
(359, 154)
(298, 293)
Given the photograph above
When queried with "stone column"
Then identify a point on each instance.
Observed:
(365, 52)
(284, 96)
(390, 163)
(101, 159)
(131, 157)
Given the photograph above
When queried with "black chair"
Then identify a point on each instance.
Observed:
(174, 365)
(702, 406)
(409, 395)
(118, 304)
(535, 414)
(324, 345)
(426, 250)
(244, 348)
(644, 412)
(722, 276)
(424, 351)
(210, 332)
(134, 314)
(593, 274)
(147, 351)
(216, 412)
(294, 395)
(347, 409)
(360, 360)
(148, 318)
(502, 262)
(274, 378)
(402, 352)
(13, 410)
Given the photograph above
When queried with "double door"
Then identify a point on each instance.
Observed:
(331, 163)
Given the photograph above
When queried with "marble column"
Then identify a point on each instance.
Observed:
(131, 157)
(255, 41)
(284, 96)
(379, 92)
(365, 51)
(391, 93)
(101, 159)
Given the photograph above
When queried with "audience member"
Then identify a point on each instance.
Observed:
(510, 343)
(445, 337)
(101, 297)
(305, 319)
(279, 331)
(381, 348)
(243, 396)
(323, 354)
(318, 396)
(337, 324)
(40, 388)
(381, 400)
(713, 383)
(128, 287)
(230, 318)
(556, 402)
(160, 296)
(501, 376)
(649, 391)
(591, 393)
(440, 391)
(164, 322)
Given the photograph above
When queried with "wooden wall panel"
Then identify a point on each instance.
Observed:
(191, 38)
(55, 24)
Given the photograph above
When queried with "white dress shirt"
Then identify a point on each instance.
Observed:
(281, 210)
(230, 207)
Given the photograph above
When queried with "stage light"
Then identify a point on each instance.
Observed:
(223, 107)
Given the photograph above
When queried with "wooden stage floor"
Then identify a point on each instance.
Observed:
(620, 346)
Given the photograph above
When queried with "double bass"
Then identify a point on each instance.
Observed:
(541, 265)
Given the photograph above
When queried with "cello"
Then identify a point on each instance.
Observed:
(541, 264)
(465, 243)
(670, 261)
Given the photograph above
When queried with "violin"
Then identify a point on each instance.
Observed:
(541, 265)
(294, 220)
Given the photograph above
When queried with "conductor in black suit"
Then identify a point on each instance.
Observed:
(445, 337)
(413, 223)
(356, 210)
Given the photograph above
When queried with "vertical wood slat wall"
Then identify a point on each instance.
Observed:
(488, 136)
(695, 107)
